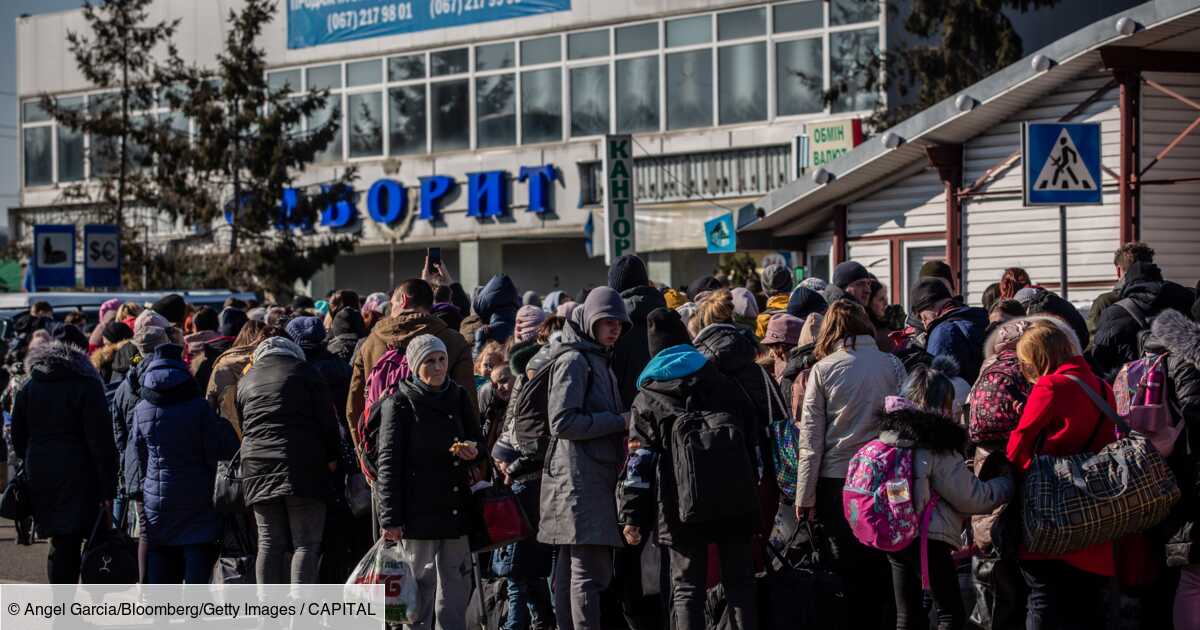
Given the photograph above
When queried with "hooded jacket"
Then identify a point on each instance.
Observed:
(103, 357)
(62, 433)
(733, 351)
(345, 331)
(395, 332)
(1180, 337)
(422, 487)
(938, 465)
(959, 334)
(632, 352)
(289, 428)
(678, 379)
(776, 304)
(842, 399)
(497, 306)
(177, 442)
(1117, 335)
(587, 433)
(205, 359)
(221, 392)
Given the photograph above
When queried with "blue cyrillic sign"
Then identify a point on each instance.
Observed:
(317, 22)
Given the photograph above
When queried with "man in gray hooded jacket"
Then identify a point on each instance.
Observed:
(587, 429)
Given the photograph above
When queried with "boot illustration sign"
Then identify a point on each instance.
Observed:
(54, 256)
(1061, 163)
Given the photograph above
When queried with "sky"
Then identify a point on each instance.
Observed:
(10, 171)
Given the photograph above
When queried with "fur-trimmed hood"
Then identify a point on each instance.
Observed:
(56, 361)
(1178, 335)
(909, 428)
(104, 356)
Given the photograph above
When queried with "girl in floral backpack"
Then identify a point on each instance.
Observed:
(909, 492)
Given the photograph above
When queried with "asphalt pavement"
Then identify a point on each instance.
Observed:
(20, 563)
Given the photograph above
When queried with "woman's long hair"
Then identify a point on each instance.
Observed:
(1013, 280)
(1042, 348)
(844, 320)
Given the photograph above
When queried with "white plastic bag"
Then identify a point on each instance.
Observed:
(387, 563)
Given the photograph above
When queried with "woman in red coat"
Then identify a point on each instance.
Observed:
(1064, 591)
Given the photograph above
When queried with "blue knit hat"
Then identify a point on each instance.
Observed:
(307, 332)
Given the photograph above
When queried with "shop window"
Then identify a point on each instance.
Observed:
(451, 123)
(915, 256)
(799, 16)
(631, 39)
(331, 114)
(406, 67)
(587, 45)
(39, 165)
(799, 77)
(70, 146)
(818, 266)
(589, 101)
(494, 56)
(366, 124)
(542, 50)
(368, 72)
(739, 24)
(689, 31)
(541, 106)
(743, 96)
(324, 78)
(637, 95)
(851, 56)
(689, 89)
(496, 111)
(407, 119)
(444, 62)
(853, 11)
(288, 80)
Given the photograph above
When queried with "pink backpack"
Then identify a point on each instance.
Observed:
(382, 382)
(1140, 391)
(878, 501)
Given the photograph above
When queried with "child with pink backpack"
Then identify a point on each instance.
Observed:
(909, 493)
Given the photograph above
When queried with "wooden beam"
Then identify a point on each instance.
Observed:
(948, 160)
(1127, 185)
(1128, 58)
(839, 236)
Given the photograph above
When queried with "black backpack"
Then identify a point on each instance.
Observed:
(714, 474)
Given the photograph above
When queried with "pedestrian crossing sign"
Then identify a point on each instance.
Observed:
(720, 235)
(1061, 163)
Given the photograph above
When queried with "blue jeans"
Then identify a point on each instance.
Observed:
(528, 602)
(180, 564)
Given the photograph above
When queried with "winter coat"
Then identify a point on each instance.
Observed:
(776, 304)
(587, 442)
(1045, 303)
(103, 357)
(1117, 336)
(205, 359)
(123, 359)
(632, 352)
(395, 332)
(733, 351)
(938, 464)
(799, 360)
(336, 374)
(421, 486)
(221, 393)
(124, 400)
(177, 441)
(342, 346)
(193, 344)
(289, 428)
(842, 399)
(1061, 412)
(523, 419)
(1180, 337)
(63, 434)
(496, 304)
(676, 380)
(959, 334)
(1100, 304)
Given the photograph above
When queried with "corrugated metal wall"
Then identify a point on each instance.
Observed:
(998, 232)
(915, 203)
(875, 256)
(1171, 213)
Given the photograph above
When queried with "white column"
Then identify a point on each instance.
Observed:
(478, 261)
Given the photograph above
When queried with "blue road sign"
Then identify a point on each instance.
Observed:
(53, 256)
(720, 235)
(1060, 163)
(101, 256)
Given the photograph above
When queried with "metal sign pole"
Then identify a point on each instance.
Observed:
(1062, 250)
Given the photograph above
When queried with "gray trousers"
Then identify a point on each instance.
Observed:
(581, 572)
(443, 572)
(295, 521)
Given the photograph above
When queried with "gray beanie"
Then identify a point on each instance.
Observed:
(420, 348)
(149, 338)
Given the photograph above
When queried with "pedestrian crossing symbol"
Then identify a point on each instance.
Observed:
(720, 235)
(1061, 163)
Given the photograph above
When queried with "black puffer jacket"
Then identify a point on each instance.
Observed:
(632, 352)
(655, 410)
(1176, 334)
(123, 360)
(422, 487)
(62, 432)
(1117, 336)
(336, 374)
(799, 359)
(289, 430)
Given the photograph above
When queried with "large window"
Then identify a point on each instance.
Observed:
(732, 67)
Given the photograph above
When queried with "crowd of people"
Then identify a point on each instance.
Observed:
(686, 429)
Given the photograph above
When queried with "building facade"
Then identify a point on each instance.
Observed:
(488, 119)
